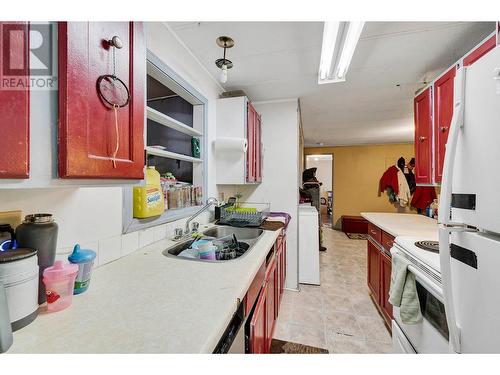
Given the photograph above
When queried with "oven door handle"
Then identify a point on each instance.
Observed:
(422, 278)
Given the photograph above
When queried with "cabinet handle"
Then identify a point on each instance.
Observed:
(444, 129)
(422, 138)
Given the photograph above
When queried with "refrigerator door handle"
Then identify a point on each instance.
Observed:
(445, 262)
(444, 214)
(457, 120)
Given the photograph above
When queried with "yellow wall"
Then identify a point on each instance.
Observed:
(356, 175)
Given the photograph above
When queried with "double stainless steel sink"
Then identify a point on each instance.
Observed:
(246, 237)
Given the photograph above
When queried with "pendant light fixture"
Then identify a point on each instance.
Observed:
(224, 64)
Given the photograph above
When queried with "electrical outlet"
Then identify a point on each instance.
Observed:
(13, 218)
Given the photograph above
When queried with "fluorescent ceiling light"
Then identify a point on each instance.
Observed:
(339, 42)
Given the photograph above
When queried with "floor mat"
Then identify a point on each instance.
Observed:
(356, 236)
(287, 347)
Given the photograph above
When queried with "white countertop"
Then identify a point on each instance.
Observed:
(404, 224)
(148, 303)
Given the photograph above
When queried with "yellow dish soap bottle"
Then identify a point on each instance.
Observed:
(148, 199)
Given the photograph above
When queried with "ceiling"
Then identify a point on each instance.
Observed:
(278, 60)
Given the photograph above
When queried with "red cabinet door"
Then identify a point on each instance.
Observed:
(373, 257)
(258, 148)
(283, 244)
(251, 115)
(14, 103)
(258, 336)
(443, 112)
(88, 133)
(423, 135)
(270, 303)
(280, 256)
(385, 279)
(480, 51)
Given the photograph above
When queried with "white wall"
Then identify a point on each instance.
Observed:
(280, 138)
(93, 215)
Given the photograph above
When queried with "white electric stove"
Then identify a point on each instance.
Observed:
(431, 334)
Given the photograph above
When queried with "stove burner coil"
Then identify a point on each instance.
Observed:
(428, 245)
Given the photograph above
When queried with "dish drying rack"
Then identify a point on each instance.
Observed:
(244, 214)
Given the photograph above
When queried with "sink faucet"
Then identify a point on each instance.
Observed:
(210, 202)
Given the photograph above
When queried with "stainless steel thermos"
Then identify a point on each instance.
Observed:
(39, 232)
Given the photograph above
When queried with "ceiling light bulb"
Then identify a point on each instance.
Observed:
(223, 74)
(330, 33)
(353, 34)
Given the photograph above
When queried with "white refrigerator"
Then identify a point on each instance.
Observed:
(469, 211)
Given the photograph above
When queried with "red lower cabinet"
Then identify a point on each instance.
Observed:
(266, 310)
(379, 272)
(272, 303)
(373, 256)
(385, 270)
(258, 334)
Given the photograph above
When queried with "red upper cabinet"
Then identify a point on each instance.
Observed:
(14, 101)
(251, 150)
(443, 112)
(89, 131)
(480, 51)
(423, 137)
(254, 151)
(258, 148)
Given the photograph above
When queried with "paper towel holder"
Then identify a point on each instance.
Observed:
(223, 140)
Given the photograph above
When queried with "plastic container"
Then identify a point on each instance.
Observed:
(208, 254)
(206, 249)
(59, 283)
(84, 258)
(148, 199)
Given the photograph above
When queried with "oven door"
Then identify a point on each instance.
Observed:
(431, 334)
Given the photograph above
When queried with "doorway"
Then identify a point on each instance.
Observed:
(324, 173)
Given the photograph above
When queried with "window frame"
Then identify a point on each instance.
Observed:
(181, 87)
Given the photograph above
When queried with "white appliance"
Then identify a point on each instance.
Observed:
(431, 334)
(469, 215)
(308, 245)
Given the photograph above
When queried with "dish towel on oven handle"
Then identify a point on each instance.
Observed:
(403, 291)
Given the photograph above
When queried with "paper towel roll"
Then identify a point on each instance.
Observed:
(231, 144)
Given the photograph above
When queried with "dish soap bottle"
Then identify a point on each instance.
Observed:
(148, 199)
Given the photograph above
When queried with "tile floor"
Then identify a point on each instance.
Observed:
(338, 315)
